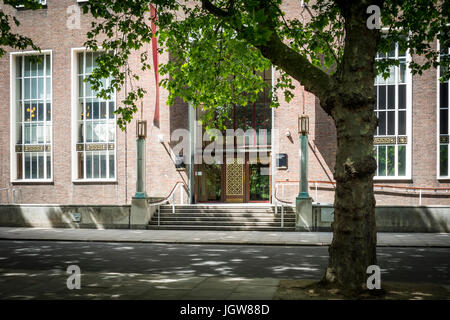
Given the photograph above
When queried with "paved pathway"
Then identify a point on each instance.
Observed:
(217, 237)
(23, 284)
(117, 270)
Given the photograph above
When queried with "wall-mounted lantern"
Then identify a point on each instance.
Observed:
(141, 129)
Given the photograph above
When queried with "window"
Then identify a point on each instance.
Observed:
(95, 136)
(443, 116)
(42, 2)
(255, 116)
(393, 109)
(31, 124)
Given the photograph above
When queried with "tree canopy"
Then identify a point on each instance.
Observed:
(9, 38)
(216, 46)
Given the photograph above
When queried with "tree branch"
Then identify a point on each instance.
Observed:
(274, 49)
(297, 66)
(218, 12)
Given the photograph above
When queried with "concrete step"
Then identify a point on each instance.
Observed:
(223, 223)
(219, 206)
(234, 219)
(182, 210)
(225, 215)
(218, 228)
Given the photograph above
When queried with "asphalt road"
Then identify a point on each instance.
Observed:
(397, 264)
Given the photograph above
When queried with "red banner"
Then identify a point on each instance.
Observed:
(154, 17)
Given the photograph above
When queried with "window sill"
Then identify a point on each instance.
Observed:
(97, 181)
(393, 179)
(32, 182)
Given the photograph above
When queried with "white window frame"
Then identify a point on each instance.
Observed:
(408, 172)
(13, 158)
(74, 108)
(438, 125)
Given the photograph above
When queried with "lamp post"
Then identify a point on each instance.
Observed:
(141, 133)
(303, 203)
(303, 130)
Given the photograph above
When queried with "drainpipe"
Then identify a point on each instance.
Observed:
(273, 148)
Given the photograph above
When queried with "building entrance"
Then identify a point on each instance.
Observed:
(243, 180)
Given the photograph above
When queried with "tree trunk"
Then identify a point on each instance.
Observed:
(353, 247)
(351, 101)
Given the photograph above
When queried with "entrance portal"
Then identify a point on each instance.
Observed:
(233, 182)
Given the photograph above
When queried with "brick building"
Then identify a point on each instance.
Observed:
(59, 143)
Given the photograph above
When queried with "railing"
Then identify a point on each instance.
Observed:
(170, 197)
(377, 187)
(5, 193)
(283, 203)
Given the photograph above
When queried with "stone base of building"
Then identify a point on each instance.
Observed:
(309, 217)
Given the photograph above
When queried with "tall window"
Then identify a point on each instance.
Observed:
(392, 107)
(95, 123)
(33, 117)
(443, 103)
(256, 116)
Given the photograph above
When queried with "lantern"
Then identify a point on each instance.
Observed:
(303, 125)
(141, 129)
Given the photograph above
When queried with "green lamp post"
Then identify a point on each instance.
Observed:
(303, 203)
(303, 130)
(141, 133)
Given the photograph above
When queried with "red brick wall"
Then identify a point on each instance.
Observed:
(48, 29)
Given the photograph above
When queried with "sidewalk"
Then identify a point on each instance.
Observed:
(217, 237)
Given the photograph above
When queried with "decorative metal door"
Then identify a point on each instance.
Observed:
(234, 181)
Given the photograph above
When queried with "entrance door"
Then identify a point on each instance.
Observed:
(259, 183)
(208, 183)
(234, 182)
(235, 178)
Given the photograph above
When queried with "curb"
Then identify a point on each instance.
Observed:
(250, 243)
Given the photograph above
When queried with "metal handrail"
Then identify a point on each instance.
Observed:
(13, 194)
(283, 202)
(434, 190)
(170, 196)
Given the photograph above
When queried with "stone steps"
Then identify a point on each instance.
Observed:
(219, 228)
(226, 215)
(222, 217)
